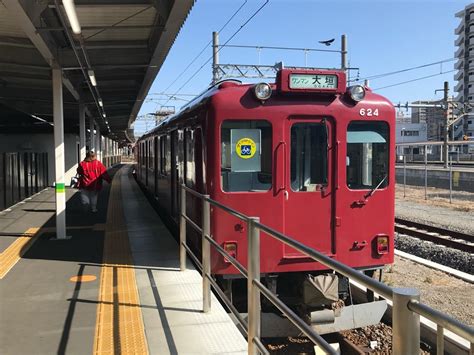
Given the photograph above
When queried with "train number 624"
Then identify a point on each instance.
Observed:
(369, 112)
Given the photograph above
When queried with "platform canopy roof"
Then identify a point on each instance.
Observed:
(122, 42)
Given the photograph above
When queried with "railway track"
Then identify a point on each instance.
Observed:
(440, 236)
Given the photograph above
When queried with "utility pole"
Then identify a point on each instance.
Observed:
(446, 125)
(215, 56)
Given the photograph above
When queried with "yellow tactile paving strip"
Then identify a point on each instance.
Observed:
(119, 325)
(14, 252)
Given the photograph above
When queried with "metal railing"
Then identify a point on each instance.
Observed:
(406, 309)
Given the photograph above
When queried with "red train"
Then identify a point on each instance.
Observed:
(310, 156)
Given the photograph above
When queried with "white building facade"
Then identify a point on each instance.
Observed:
(465, 65)
(409, 133)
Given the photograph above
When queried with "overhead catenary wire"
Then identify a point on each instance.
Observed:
(378, 76)
(206, 46)
(417, 79)
(222, 46)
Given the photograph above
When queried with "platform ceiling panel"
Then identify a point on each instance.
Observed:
(124, 42)
(9, 27)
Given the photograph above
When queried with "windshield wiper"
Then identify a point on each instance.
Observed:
(371, 192)
(363, 201)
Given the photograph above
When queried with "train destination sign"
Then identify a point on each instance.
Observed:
(313, 81)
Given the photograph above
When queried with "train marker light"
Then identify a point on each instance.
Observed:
(356, 92)
(262, 91)
(382, 244)
(231, 249)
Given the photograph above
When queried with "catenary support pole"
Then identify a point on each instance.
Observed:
(82, 131)
(343, 52)
(215, 56)
(59, 154)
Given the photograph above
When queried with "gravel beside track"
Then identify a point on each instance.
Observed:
(443, 217)
(453, 258)
(458, 216)
(438, 289)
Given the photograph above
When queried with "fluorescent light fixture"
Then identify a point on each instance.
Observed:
(101, 104)
(92, 77)
(72, 16)
(104, 115)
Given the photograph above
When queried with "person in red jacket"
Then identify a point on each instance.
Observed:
(91, 173)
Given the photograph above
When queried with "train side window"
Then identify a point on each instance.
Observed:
(190, 158)
(309, 156)
(246, 155)
(367, 155)
(151, 164)
(162, 155)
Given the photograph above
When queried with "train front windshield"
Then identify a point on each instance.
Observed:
(367, 155)
(246, 156)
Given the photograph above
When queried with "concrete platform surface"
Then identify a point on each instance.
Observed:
(173, 317)
(44, 309)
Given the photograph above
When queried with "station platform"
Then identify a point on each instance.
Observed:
(113, 287)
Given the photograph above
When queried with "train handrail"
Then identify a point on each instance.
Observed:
(406, 304)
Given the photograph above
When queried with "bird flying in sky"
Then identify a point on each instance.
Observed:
(328, 42)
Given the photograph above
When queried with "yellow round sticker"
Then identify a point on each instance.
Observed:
(245, 148)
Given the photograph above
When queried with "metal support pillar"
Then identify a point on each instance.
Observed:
(439, 340)
(182, 232)
(451, 181)
(406, 323)
(206, 254)
(215, 56)
(97, 145)
(343, 52)
(82, 132)
(404, 175)
(426, 172)
(253, 293)
(91, 134)
(59, 154)
(446, 125)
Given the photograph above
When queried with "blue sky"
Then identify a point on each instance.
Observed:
(383, 36)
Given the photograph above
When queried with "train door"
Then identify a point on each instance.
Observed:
(176, 161)
(156, 164)
(308, 206)
(147, 154)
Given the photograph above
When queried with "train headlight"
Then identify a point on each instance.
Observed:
(262, 91)
(357, 92)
